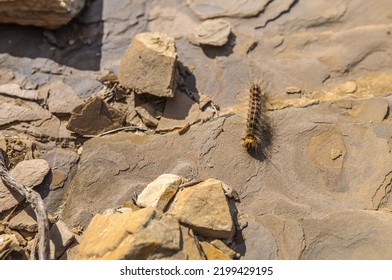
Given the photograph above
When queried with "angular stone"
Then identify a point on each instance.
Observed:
(204, 208)
(149, 65)
(60, 239)
(8, 244)
(213, 253)
(29, 173)
(25, 220)
(62, 98)
(374, 110)
(40, 13)
(143, 234)
(224, 248)
(160, 192)
(189, 245)
(213, 32)
(94, 117)
(14, 90)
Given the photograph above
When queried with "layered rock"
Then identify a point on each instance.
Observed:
(52, 14)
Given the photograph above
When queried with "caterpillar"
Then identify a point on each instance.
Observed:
(258, 131)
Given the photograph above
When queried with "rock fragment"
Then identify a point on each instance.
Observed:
(213, 32)
(160, 192)
(147, 114)
(25, 221)
(149, 65)
(144, 234)
(204, 208)
(62, 99)
(213, 253)
(29, 173)
(190, 247)
(94, 117)
(60, 239)
(8, 244)
(40, 13)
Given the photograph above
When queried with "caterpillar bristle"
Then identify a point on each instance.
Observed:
(257, 133)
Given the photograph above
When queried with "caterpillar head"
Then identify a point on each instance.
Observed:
(250, 143)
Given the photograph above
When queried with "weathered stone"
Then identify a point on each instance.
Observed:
(229, 8)
(213, 253)
(213, 32)
(224, 248)
(160, 192)
(149, 64)
(144, 234)
(14, 90)
(29, 173)
(39, 13)
(204, 208)
(190, 248)
(25, 220)
(94, 117)
(374, 110)
(17, 110)
(60, 239)
(62, 99)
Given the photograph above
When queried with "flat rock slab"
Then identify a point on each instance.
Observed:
(160, 192)
(149, 65)
(62, 98)
(204, 208)
(135, 235)
(213, 32)
(14, 90)
(25, 221)
(94, 117)
(213, 253)
(39, 13)
(227, 8)
(29, 173)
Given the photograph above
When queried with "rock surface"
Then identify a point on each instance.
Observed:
(60, 239)
(149, 64)
(160, 192)
(14, 90)
(39, 13)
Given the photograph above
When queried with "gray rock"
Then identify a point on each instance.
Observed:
(60, 238)
(25, 221)
(62, 99)
(149, 64)
(39, 13)
(229, 8)
(212, 32)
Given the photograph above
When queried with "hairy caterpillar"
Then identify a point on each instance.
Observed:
(258, 131)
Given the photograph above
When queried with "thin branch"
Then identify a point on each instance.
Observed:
(36, 203)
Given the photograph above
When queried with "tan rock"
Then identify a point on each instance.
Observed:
(190, 247)
(160, 192)
(14, 90)
(29, 173)
(41, 13)
(213, 253)
(61, 238)
(204, 208)
(8, 244)
(149, 64)
(213, 32)
(143, 234)
(25, 220)
(62, 98)
(94, 117)
(147, 114)
(223, 248)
